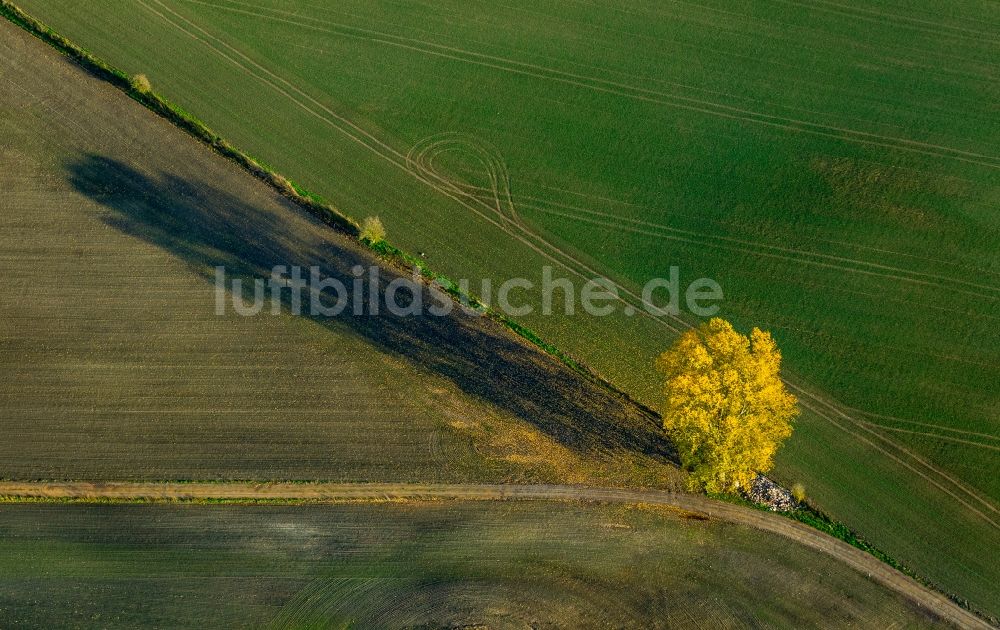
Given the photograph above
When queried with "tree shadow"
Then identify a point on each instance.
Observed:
(208, 227)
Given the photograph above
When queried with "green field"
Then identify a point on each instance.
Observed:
(448, 564)
(116, 365)
(831, 165)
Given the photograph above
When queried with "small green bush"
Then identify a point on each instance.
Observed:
(372, 231)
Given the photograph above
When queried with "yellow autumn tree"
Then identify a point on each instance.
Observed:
(725, 405)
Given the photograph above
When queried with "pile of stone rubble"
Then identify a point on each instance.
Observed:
(767, 493)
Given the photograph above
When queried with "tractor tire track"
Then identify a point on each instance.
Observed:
(870, 414)
(659, 229)
(878, 250)
(936, 436)
(751, 246)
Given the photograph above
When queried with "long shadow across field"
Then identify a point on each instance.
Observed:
(208, 227)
